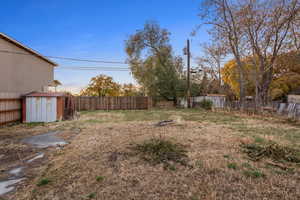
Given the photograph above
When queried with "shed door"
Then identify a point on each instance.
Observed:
(41, 109)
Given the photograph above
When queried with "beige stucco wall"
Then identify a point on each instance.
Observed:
(22, 73)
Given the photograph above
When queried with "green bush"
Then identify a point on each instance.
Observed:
(206, 104)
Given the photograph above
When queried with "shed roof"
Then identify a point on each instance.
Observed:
(216, 95)
(44, 94)
(29, 50)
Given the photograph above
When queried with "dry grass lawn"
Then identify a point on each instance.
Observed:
(99, 163)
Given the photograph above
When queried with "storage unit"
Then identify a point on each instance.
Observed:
(43, 107)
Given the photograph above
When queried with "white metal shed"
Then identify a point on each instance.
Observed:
(42, 107)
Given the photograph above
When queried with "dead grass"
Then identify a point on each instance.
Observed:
(211, 141)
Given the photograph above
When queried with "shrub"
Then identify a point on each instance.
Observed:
(206, 104)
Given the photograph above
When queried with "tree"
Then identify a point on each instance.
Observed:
(294, 34)
(152, 62)
(214, 54)
(56, 83)
(266, 24)
(101, 86)
(255, 29)
(223, 17)
(130, 90)
(285, 79)
(286, 75)
(230, 77)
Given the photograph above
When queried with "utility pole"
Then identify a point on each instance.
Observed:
(188, 94)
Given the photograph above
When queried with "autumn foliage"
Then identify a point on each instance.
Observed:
(286, 76)
(103, 85)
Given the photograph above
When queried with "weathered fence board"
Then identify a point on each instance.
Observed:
(10, 108)
(112, 103)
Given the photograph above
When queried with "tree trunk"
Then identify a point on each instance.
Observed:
(220, 78)
(264, 87)
(242, 91)
(242, 84)
(175, 101)
(258, 102)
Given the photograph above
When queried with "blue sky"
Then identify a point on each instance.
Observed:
(95, 29)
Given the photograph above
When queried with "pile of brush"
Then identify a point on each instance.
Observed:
(157, 151)
(274, 151)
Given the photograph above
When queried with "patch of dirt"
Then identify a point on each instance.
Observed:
(14, 153)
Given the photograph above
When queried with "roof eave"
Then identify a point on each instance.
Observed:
(20, 45)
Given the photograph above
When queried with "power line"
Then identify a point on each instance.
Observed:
(109, 70)
(67, 58)
(84, 60)
(93, 68)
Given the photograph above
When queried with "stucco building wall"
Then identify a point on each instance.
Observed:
(22, 73)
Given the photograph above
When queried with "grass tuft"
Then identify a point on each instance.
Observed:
(100, 178)
(254, 174)
(199, 164)
(194, 198)
(34, 124)
(43, 182)
(259, 140)
(92, 195)
(247, 165)
(232, 166)
(226, 156)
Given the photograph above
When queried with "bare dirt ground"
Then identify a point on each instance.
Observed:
(99, 162)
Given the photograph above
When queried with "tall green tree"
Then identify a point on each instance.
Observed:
(152, 62)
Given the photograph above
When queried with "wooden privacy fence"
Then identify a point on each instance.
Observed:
(10, 108)
(112, 103)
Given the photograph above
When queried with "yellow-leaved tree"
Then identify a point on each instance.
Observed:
(230, 76)
(101, 86)
(286, 76)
